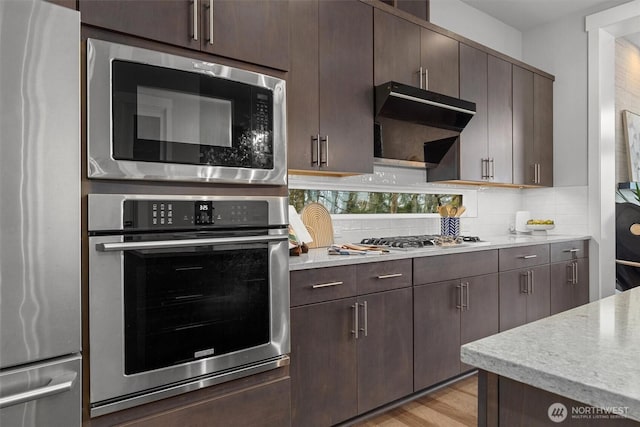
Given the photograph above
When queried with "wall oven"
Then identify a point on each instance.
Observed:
(184, 292)
(156, 116)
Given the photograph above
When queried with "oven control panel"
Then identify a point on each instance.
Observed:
(180, 214)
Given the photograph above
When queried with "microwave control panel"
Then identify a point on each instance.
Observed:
(183, 214)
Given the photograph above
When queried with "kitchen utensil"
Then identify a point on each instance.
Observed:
(316, 217)
(521, 221)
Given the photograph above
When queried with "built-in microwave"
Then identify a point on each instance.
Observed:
(157, 116)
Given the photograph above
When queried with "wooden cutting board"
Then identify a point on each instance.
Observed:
(317, 219)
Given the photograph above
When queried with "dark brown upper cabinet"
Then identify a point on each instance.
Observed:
(252, 31)
(543, 130)
(532, 128)
(408, 53)
(330, 87)
(486, 142)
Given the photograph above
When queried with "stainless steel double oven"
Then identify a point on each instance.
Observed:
(184, 292)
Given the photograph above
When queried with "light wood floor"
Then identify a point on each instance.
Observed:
(453, 406)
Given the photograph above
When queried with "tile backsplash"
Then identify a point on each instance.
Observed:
(492, 214)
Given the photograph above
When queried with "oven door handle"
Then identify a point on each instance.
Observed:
(164, 244)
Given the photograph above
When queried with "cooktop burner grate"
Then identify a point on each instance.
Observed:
(418, 241)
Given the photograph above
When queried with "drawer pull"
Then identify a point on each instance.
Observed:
(390, 276)
(574, 250)
(326, 285)
(529, 256)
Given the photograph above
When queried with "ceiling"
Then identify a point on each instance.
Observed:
(526, 14)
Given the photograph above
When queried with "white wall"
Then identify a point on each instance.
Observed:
(469, 22)
(560, 48)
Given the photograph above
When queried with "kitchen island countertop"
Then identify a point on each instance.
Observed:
(318, 258)
(588, 354)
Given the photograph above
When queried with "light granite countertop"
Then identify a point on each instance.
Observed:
(589, 354)
(317, 258)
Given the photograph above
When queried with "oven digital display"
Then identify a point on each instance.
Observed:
(203, 214)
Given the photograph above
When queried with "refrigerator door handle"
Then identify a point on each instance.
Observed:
(59, 384)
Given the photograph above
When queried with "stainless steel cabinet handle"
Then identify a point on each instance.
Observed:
(326, 285)
(525, 289)
(210, 22)
(484, 169)
(468, 305)
(315, 149)
(426, 79)
(571, 279)
(493, 169)
(460, 305)
(575, 275)
(59, 384)
(366, 319)
(420, 77)
(529, 256)
(325, 162)
(195, 20)
(390, 276)
(164, 244)
(355, 320)
(531, 281)
(573, 251)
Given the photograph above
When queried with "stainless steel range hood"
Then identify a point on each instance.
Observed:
(407, 103)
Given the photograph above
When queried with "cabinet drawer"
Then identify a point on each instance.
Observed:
(447, 267)
(566, 251)
(322, 284)
(383, 276)
(522, 257)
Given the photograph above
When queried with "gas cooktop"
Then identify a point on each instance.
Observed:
(418, 241)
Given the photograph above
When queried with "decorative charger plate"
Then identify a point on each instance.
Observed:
(535, 227)
(317, 219)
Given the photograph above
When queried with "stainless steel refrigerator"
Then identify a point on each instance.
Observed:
(40, 321)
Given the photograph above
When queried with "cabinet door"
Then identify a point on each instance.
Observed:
(323, 363)
(346, 86)
(254, 31)
(473, 139)
(499, 120)
(539, 297)
(436, 352)
(385, 348)
(569, 284)
(440, 59)
(523, 156)
(165, 21)
(543, 128)
(397, 49)
(513, 299)
(302, 86)
(480, 318)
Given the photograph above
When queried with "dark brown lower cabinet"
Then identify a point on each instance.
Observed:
(323, 363)
(447, 315)
(336, 376)
(522, 405)
(385, 348)
(261, 400)
(569, 284)
(524, 296)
